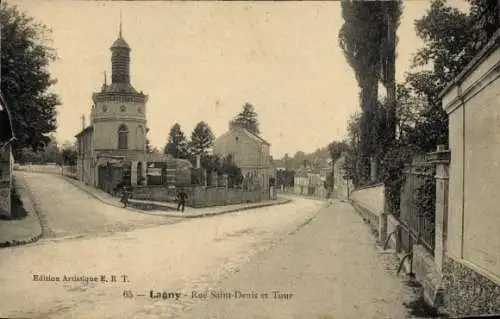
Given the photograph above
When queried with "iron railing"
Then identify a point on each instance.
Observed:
(417, 206)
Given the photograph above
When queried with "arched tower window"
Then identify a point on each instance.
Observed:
(123, 137)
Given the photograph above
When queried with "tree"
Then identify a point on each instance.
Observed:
(68, 154)
(25, 80)
(451, 39)
(150, 148)
(446, 33)
(50, 153)
(248, 118)
(229, 167)
(286, 160)
(368, 39)
(177, 144)
(336, 149)
(202, 140)
(352, 163)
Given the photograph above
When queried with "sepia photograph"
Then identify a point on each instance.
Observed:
(249, 159)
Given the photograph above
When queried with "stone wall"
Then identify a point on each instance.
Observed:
(371, 197)
(70, 171)
(472, 247)
(49, 168)
(427, 275)
(201, 196)
(369, 202)
(157, 193)
(461, 283)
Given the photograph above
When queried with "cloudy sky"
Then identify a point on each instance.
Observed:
(204, 60)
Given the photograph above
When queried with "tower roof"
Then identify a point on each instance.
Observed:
(120, 43)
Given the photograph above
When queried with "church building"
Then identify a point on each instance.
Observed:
(112, 149)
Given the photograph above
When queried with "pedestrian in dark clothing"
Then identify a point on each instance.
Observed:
(124, 197)
(181, 197)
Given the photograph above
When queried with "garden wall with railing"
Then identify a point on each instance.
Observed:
(201, 196)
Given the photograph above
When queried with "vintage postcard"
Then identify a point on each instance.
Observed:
(249, 159)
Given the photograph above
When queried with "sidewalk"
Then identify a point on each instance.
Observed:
(94, 192)
(23, 231)
(329, 268)
(292, 194)
(170, 209)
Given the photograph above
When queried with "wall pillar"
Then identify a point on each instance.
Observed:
(133, 173)
(441, 160)
(145, 173)
(214, 179)
(382, 227)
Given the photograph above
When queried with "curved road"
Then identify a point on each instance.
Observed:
(171, 258)
(66, 210)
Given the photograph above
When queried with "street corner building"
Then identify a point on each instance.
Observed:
(6, 158)
(112, 149)
(250, 152)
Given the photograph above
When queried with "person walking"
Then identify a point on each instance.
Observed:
(181, 197)
(124, 197)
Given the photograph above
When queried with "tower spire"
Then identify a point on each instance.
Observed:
(120, 32)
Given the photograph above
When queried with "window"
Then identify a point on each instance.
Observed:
(122, 137)
(122, 108)
(104, 108)
(139, 109)
(140, 137)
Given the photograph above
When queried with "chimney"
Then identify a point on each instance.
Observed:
(234, 125)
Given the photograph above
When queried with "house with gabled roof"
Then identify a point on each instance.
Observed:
(250, 152)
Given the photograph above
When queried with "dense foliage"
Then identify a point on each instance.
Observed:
(248, 119)
(368, 39)
(26, 82)
(451, 39)
(202, 140)
(177, 144)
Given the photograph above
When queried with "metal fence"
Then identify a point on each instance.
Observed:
(417, 206)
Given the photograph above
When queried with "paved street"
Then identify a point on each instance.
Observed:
(68, 211)
(330, 268)
(174, 258)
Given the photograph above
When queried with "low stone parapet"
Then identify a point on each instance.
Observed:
(426, 273)
(369, 203)
(201, 196)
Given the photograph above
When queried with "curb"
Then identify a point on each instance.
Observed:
(14, 243)
(169, 215)
(29, 206)
(75, 183)
(235, 210)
